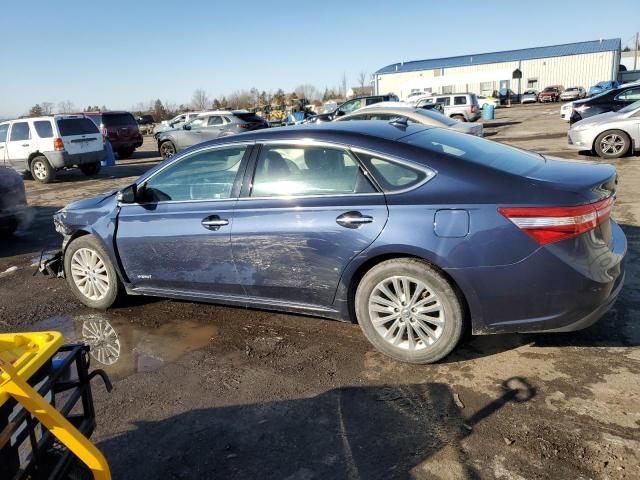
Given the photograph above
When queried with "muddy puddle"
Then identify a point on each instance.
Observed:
(122, 348)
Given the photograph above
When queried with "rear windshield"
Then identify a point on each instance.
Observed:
(118, 119)
(248, 117)
(477, 150)
(76, 126)
(434, 115)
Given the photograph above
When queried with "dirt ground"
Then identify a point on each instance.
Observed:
(202, 391)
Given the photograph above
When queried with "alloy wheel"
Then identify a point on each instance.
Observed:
(90, 274)
(612, 144)
(39, 170)
(167, 150)
(406, 313)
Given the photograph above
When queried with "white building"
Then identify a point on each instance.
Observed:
(576, 64)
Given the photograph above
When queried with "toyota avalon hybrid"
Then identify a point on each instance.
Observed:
(416, 233)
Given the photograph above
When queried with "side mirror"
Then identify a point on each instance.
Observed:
(128, 194)
(339, 113)
(186, 126)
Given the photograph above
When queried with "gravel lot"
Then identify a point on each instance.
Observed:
(203, 391)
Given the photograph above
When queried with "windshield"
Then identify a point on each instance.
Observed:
(477, 150)
(571, 89)
(630, 108)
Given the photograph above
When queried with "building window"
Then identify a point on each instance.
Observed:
(437, 72)
(427, 90)
(486, 88)
(532, 83)
(447, 89)
(414, 90)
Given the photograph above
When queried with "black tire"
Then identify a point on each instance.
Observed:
(460, 118)
(114, 288)
(9, 227)
(437, 285)
(125, 152)
(167, 149)
(613, 138)
(90, 169)
(41, 170)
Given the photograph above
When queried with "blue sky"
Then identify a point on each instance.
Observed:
(117, 53)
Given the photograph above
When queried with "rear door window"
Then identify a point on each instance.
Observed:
(460, 100)
(118, 120)
(44, 129)
(446, 101)
(76, 126)
(215, 120)
(630, 95)
(20, 131)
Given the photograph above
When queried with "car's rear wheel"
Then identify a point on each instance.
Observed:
(41, 169)
(460, 118)
(90, 169)
(167, 149)
(90, 274)
(612, 144)
(409, 311)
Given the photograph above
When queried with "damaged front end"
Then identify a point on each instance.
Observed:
(53, 266)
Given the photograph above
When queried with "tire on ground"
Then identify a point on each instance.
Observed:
(41, 170)
(167, 149)
(115, 288)
(437, 284)
(623, 135)
(90, 169)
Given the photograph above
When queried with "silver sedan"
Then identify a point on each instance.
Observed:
(422, 116)
(610, 135)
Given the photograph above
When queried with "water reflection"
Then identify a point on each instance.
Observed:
(123, 348)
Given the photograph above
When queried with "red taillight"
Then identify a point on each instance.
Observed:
(243, 125)
(58, 144)
(551, 224)
(473, 109)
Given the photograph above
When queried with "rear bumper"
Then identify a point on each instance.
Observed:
(130, 143)
(61, 159)
(560, 287)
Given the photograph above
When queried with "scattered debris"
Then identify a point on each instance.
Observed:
(508, 441)
(467, 427)
(457, 400)
(9, 271)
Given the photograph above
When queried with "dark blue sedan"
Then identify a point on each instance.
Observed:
(416, 233)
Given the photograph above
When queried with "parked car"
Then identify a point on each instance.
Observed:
(482, 101)
(43, 145)
(120, 129)
(610, 135)
(551, 94)
(145, 120)
(565, 111)
(600, 87)
(432, 106)
(608, 101)
(459, 106)
(530, 96)
(573, 93)
(351, 106)
(388, 112)
(13, 200)
(207, 126)
(416, 233)
(175, 122)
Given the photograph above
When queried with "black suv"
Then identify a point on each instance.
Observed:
(120, 128)
(609, 101)
(351, 106)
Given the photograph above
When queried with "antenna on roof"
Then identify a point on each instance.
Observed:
(400, 122)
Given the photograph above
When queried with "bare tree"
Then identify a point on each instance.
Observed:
(200, 100)
(66, 106)
(362, 78)
(343, 85)
(47, 108)
(170, 107)
(308, 92)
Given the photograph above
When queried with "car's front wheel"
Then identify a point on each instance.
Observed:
(90, 274)
(167, 149)
(41, 169)
(612, 144)
(409, 311)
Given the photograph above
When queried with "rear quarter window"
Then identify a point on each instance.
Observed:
(476, 150)
(76, 126)
(248, 117)
(44, 129)
(393, 176)
(118, 120)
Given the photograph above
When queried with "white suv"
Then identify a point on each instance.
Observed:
(43, 145)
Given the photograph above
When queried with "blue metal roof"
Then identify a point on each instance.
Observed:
(612, 44)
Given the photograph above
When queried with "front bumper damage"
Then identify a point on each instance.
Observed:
(53, 266)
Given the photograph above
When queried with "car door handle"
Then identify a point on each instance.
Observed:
(353, 219)
(25, 144)
(214, 222)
